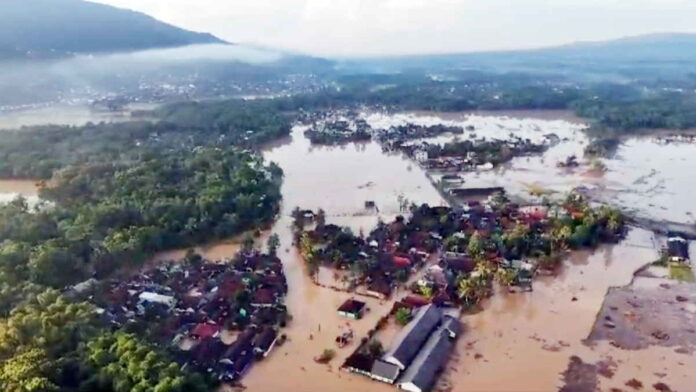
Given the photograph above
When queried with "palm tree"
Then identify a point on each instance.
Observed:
(466, 290)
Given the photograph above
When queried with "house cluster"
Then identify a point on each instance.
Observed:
(684, 138)
(472, 154)
(377, 263)
(505, 237)
(477, 242)
(394, 137)
(338, 128)
(217, 317)
(418, 354)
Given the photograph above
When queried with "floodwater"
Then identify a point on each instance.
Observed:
(64, 114)
(518, 342)
(524, 340)
(339, 180)
(650, 179)
(11, 189)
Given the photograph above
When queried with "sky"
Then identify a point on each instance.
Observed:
(348, 28)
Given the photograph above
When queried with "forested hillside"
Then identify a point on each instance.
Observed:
(56, 28)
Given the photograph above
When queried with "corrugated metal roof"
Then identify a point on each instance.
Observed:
(413, 336)
(431, 359)
(385, 370)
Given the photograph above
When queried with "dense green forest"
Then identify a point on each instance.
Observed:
(37, 152)
(610, 107)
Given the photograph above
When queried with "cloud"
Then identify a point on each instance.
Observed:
(369, 27)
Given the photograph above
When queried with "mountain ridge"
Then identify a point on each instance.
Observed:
(60, 28)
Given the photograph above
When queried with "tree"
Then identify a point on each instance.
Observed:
(248, 244)
(273, 244)
(403, 316)
(321, 220)
(128, 364)
(47, 321)
(14, 257)
(466, 290)
(475, 247)
(506, 276)
(375, 348)
(54, 265)
(27, 371)
(326, 356)
(426, 290)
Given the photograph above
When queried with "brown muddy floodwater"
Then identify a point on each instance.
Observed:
(10, 189)
(64, 114)
(523, 341)
(650, 179)
(518, 342)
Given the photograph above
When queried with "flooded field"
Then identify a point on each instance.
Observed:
(65, 115)
(10, 189)
(649, 179)
(524, 341)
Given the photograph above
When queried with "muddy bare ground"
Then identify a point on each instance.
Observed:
(649, 312)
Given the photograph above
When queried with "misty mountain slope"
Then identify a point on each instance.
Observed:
(56, 28)
(654, 55)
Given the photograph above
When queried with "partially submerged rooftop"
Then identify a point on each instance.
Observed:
(409, 341)
(427, 365)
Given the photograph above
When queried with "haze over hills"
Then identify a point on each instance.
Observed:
(131, 47)
(58, 28)
(665, 51)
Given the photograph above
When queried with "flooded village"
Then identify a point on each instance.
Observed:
(401, 264)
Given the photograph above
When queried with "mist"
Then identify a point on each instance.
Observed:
(150, 75)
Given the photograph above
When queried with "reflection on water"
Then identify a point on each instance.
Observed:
(341, 179)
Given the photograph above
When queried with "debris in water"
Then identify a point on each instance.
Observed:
(662, 387)
(635, 384)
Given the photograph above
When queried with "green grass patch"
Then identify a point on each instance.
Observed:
(681, 272)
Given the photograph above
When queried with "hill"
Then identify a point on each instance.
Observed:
(647, 56)
(59, 28)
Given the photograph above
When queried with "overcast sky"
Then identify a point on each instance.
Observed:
(369, 27)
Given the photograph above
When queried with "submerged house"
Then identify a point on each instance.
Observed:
(677, 249)
(352, 309)
(265, 341)
(413, 336)
(147, 299)
(432, 358)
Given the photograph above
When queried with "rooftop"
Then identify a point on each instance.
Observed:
(409, 341)
(352, 306)
(430, 360)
